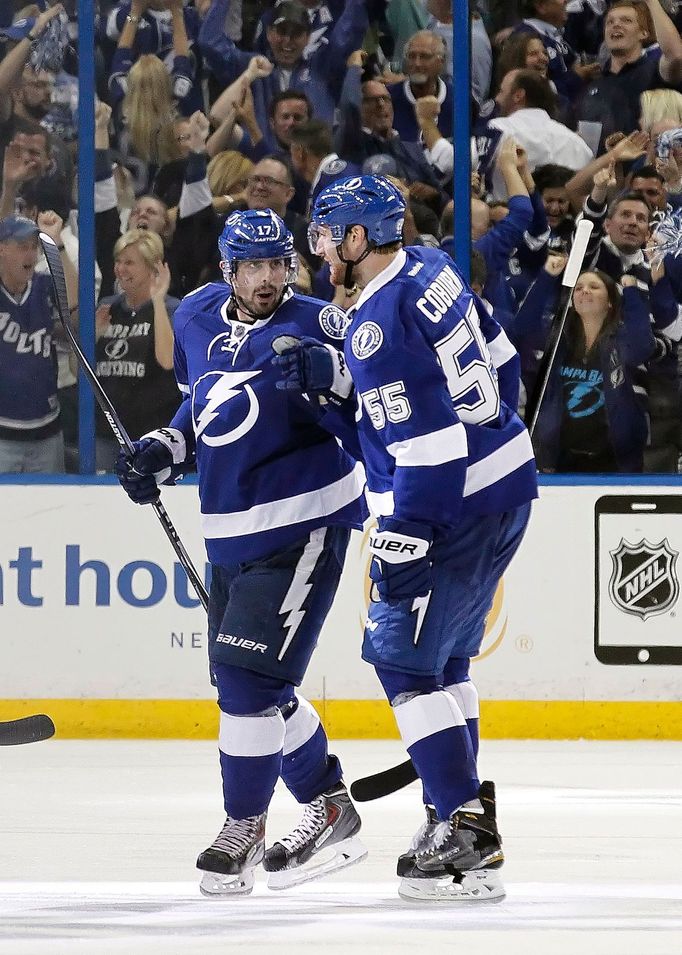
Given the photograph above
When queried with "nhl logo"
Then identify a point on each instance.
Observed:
(644, 579)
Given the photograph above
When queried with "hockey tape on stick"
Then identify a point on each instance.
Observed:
(54, 264)
(577, 253)
(384, 783)
(30, 729)
(570, 277)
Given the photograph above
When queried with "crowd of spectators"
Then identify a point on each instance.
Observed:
(207, 106)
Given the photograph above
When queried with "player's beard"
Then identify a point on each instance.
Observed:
(262, 303)
(337, 274)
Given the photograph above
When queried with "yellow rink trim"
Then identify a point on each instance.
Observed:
(357, 719)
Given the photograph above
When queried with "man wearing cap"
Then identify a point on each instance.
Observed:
(31, 437)
(320, 77)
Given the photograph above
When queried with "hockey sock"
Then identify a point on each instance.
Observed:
(458, 683)
(307, 767)
(435, 734)
(250, 760)
(251, 738)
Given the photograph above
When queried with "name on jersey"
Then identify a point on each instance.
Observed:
(37, 343)
(440, 294)
(121, 369)
(127, 331)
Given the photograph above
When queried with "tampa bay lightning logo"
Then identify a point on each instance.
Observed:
(334, 322)
(214, 425)
(583, 391)
(366, 339)
(116, 348)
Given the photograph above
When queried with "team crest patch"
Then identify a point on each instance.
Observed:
(366, 340)
(335, 166)
(334, 322)
(644, 579)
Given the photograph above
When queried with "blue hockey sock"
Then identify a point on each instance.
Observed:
(250, 760)
(436, 736)
(466, 697)
(307, 768)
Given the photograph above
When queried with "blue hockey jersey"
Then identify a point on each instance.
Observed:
(29, 406)
(438, 441)
(269, 473)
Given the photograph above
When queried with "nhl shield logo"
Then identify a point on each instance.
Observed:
(644, 578)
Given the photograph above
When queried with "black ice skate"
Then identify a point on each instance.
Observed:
(456, 860)
(323, 842)
(229, 862)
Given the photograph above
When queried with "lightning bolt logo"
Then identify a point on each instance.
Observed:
(227, 386)
(300, 588)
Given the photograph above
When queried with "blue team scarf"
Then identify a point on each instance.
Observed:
(47, 53)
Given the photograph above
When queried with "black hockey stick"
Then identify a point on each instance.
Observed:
(570, 277)
(29, 729)
(384, 783)
(54, 264)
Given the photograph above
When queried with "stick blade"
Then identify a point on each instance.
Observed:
(384, 783)
(29, 729)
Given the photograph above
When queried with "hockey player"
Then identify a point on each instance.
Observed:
(450, 478)
(278, 498)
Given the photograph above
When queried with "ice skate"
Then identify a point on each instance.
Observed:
(229, 862)
(456, 860)
(323, 842)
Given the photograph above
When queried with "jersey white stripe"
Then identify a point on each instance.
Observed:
(499, 464)
(19, 425)
(501, 350)
(429, 450)
(251, 735)
(425, 715)
(290, 510)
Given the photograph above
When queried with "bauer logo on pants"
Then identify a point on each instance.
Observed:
(644, 579)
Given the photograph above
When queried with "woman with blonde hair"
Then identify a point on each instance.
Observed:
(658, 106)
(228, 172)
(144, 95)
(134, 350)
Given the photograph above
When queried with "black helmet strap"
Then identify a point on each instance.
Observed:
(349, 263)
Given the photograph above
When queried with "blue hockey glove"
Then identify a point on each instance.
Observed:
(153, 463)
(400, 564)
(314, 368)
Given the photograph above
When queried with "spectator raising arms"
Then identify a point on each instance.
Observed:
(135, 342)
(593, 416)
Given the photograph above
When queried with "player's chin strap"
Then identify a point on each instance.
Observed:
(348, 283)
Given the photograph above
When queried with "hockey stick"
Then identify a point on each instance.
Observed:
(570, 277)
(54, 264)
(397, 777)
(384, 783)
(29, 729)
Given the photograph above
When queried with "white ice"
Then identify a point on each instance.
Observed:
(98, 842)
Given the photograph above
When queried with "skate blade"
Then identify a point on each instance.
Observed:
(327, 860)
(215, 885)
(477, 885)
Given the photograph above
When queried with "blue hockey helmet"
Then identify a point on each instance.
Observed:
(256, 234)
(369, 201)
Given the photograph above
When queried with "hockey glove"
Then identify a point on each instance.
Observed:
(314, 368)
(156, 461)
(400, 564)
